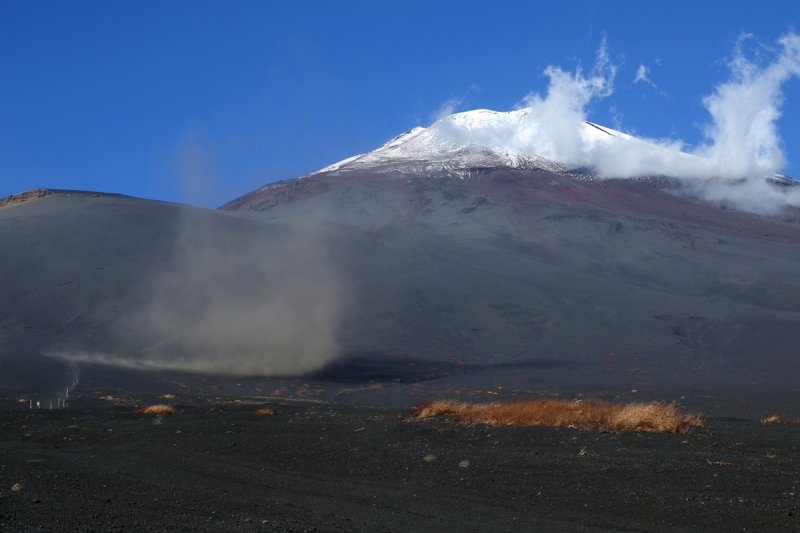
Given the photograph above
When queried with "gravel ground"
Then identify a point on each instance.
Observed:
(214, 465)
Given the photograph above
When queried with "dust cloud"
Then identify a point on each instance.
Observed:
(237, 296)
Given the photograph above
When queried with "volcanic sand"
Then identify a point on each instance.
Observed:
(217, 465)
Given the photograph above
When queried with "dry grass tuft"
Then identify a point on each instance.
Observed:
(158, 409)
(772, 418)
(167, 396)
(590, 414)
(266, 411)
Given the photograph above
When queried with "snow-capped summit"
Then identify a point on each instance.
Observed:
(483, 137)
(532, 139)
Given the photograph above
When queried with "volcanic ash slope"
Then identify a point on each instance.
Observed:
(490, 256)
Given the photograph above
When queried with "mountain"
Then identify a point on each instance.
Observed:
(473, 248)
(485, 138)
(480, 138)
(459, 260)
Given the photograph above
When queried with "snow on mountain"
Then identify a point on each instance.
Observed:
(483, 138)
(526, 140)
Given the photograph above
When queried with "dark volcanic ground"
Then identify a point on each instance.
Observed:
(214, 465)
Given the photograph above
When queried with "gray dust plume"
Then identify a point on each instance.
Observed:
(248, 303)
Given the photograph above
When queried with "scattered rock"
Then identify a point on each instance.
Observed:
(27, 196)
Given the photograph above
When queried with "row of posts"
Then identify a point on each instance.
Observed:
(61, 403)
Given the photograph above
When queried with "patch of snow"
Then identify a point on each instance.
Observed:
(483, 138)
(478, 138)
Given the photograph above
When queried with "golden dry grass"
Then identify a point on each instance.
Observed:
(589, 414)
(158, 409)
(167, 396)
(266, 411)
(773, 418)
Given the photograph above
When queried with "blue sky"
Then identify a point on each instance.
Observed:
(204, 101)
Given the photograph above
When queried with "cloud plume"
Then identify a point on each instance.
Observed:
(558, 117)
(447, 108)
(742, 146)
(743, 137)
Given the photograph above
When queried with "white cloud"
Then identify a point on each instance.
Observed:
(641, 76)
(742, 146)
(743, 138)
(447, 108)
(559, 116)
(742, 142)
(453, 104)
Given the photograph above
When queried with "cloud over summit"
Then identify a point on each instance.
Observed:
(742, 144)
